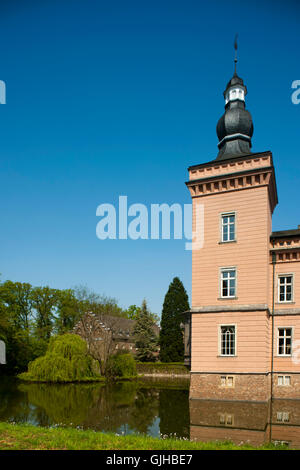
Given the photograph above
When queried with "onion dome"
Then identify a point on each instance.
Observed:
(235, 127)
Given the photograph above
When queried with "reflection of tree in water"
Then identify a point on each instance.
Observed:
(123, 405)
(145, 410)
(63, 404)
(112, 407)
(100, 407)
(174, 412)
(14, 404)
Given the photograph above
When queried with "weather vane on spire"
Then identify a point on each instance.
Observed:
(235, 56)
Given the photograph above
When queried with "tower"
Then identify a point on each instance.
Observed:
(231, 275)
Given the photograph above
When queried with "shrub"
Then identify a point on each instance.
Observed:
(66, 360)
(121, 365)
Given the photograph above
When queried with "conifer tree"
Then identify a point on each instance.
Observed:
(171, 335)
(145, 337)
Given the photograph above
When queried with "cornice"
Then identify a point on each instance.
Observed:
(230, 308)
(232, 160)
(235, 181)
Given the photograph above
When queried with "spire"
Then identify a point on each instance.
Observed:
(235, 54)
(235, 127)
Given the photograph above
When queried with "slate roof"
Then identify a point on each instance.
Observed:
(123, 326)
(286, 234)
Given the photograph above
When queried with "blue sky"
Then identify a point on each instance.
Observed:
(119, 98)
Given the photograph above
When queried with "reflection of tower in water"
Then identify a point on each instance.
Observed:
(246, 422)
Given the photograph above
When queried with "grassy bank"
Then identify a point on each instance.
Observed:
(27, 437)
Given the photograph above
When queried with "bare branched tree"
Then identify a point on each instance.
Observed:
(101, 333)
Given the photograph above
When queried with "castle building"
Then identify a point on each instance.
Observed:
(245, 316)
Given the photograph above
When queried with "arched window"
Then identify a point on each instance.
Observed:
(228, 340)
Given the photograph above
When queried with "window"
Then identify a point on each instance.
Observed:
(228, 283)
(284, 380)
(284, 341)
(283, 416)
(281, 443)
(226, 419)
(227, 381)
(285, 288)
(228, 228)
(228, 343)
(229, 420)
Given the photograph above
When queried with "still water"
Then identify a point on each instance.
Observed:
(153, 406)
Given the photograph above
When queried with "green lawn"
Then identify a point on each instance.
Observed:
(27, 437)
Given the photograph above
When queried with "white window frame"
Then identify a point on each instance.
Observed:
(278, 288)
(292, 335)
(227, 214)
(225, 418)
(284, 380)
(220, 344)
(283, 416)
(227, 381)
(281, 443)
(222, 270)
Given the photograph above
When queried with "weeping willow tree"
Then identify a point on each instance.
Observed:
(66, 360)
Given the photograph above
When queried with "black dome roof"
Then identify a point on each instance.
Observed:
(235, 120)
(235, 127)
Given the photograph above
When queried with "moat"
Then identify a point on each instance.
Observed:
(156, 407)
